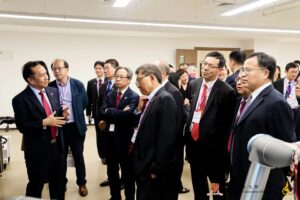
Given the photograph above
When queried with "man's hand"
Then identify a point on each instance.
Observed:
(66, 113)
(127, 108)
(141, 103)
(186, 101)
(153, 176)
(54, 121)
(102, 125)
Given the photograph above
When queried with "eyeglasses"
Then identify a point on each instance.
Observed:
(57, 68)
(139, 79)
(120, 77)
(204, 63)
(246, 70)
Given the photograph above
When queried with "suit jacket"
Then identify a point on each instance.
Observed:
(279, 84)
(92, 94)
(269, 113)
(123, 120)
(79, 103)
(215, 122)
(29, 114)
(155, 145)
(101, 104)
(231, 79)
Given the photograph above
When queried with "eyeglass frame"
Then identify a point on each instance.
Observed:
(247, 70)
(138, 80)
(121, 77)
(204, 63)
(58, 68)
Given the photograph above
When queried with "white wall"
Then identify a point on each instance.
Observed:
(81, 51)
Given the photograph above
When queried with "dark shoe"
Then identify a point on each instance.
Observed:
(122, 186)
(113, 199)
(103, 160)
(65, 188)
(183, 190)
(83, 191)
(104, 183)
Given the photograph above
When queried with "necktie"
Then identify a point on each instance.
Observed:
(108, 87)
(48, 112)
(200, 108)
(145, 103)
(242, 106)
(99, 86)
(288, 90)
(118, 99)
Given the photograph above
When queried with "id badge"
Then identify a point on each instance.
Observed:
(196, 117)
(111, 128)
(134, 135)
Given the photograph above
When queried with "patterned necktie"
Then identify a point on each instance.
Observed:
(108, 89)
(99, 86)
(288, 90)
(242, 106)
(48, 112)
(118, 99)
(200, 108)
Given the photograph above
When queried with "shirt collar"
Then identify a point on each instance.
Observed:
(286, 81)
(164, 83)
(256, 92)
(36, 91)
(63, 84)
(209, 84)
(123, 91)
(152, 94)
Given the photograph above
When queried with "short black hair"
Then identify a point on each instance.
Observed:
(297, 61)
(238, 56)
(291, 65)
(148, 69)
(27, 69)
(114, 63)
(99, 63)
(45, 66)
(219, 56)
(265, 61)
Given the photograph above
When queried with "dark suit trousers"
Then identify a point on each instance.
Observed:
(75, 141)
(180, 162)
(199, 172)
(50, 168)
(164, 187)
(100, 139)
(114, 161)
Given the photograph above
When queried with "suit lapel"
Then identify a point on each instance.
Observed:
(258, 100)
(195, 98)
(124, 98)
(211, 96)
(51, 97)
(32, 97)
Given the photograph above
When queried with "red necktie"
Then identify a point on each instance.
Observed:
(48, 112)
(118, 98)
(242, 106)
(99, 86)
(145, 103)
(201, 107)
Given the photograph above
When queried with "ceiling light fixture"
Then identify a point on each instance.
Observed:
(121, 3)
(248, 7)
(151, 24)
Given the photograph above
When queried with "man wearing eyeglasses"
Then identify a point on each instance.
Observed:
(119, 117)
(266, 111)
(72, 94)
(208, 127)
(154, 139)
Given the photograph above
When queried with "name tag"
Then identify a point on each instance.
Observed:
(111, 128)
(196, 117)
(134, 135)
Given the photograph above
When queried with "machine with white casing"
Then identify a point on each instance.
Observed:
(265, 153)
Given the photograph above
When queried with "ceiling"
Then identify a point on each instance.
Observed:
(284, 14)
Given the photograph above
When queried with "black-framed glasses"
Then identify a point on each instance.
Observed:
(120, 77)
(139, 79)
(204, 63)
(57, 68)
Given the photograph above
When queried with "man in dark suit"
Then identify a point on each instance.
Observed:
(155, 139)
(93, 91)
(110, 66)
(267, 112)
(36, 109)
(119, 121)
(286, 86)
(169, 87)
(72, 93)
(236, 61)
(208, 127)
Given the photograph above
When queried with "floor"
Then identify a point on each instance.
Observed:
(14, 178)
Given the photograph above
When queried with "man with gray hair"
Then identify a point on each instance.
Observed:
(154, 140)
(118, 115)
